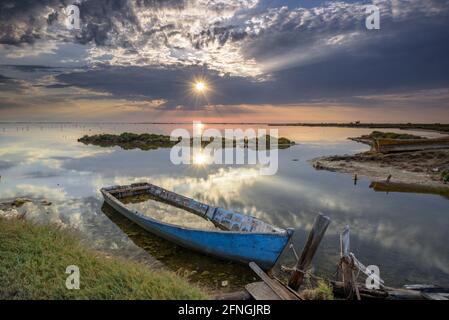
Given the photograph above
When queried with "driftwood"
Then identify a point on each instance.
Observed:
(348, 288)
(261, 291)
(271, 288)
(238, 295)
(313, 241)
(349, 264)
(278, 288)
(389, 293)
(345, 261)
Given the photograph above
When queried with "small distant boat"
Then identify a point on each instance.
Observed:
(241, 237)
(403, 145)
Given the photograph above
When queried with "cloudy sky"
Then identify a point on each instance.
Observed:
(261, 60)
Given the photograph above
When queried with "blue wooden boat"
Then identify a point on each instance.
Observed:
(241, 237)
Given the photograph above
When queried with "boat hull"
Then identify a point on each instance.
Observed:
(262, 248)
(405, 145)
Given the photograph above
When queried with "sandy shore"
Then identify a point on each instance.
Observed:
(421, 167)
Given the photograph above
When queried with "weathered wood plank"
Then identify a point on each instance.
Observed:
(345, 247)
(403, 294)
(435, 296)
(278, 288)
(421, 287)
(339, 290)
(238, 295)
(313, 241)
(387, 293)
(261, 291)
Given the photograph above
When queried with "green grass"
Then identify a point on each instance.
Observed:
(445, 176)
(391, 135)
(150, 141)
(33, 260)
(321, 292)
(128, 140)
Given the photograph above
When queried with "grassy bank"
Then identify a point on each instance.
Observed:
(33, 260)
(390, 135)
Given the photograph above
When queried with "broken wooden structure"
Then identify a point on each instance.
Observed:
(272, 288)
(348, 287)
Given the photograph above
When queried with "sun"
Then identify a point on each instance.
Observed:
(201, 159)
(200, 86)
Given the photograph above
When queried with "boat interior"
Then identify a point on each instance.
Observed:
(220, 217)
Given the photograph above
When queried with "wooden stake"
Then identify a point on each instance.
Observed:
(346, 260)
(313, 241)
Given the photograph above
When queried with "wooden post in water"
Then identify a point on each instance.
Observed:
(348, 263)
(313, 241)
(346, 260)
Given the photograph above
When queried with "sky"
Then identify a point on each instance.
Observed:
(260, 60)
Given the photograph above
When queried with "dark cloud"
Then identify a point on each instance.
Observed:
(41, 174)
(299, 55)
(4, 165)
(57, 86)
(26, 21)
(32, 68)
(409, 56)
(8, 84)
(4, 79)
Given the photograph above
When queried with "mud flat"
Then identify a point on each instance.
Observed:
(427, 168)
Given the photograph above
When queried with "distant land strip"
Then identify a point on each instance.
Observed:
(440, 127)
(444, 127)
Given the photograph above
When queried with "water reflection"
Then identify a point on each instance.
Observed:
(405, 234)
(207, 271)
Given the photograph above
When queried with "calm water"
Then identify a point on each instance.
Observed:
(406, 235)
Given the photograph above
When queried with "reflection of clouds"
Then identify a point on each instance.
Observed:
(242, 189)
(39, 161)
(384, 226)
(51, 155)
(386, 235)
(231, 188)
(6, 165)
(36, 191)
(407, 238)
(225, 183)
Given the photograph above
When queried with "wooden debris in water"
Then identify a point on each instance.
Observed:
(313, 241)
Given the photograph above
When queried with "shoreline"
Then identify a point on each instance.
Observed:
(17, 208)
(40, 255)
(422, 168)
